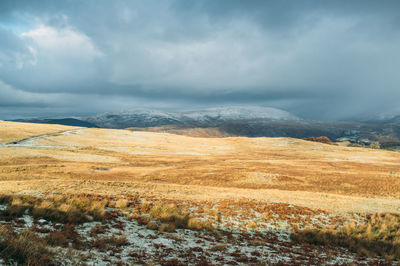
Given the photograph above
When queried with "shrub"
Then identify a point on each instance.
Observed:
(375, 145)
(321, 139)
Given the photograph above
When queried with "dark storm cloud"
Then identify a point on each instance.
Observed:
(320, 59)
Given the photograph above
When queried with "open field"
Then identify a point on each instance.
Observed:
(258, 189)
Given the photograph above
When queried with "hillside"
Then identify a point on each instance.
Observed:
(151, 118)
(92, 194)
(160, 158)
(11, 132)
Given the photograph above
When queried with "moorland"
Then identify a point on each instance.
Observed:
(92, 195)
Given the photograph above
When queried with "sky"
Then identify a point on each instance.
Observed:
(323, 60)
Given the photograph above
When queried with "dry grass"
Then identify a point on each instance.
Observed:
(25, 248)
(169, 213)
(155, 158)
(191, 132)
(197, 224)
(115, 162)
(103, 243)
(57, 238)
(121, 203)
(13, 131)
(168, 217)
(379, 235)
(72, 209)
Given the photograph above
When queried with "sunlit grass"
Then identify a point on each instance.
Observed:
(379, 235)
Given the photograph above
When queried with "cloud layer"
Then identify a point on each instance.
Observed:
(320, 60)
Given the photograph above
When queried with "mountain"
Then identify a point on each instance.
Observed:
(206, 117)
(224, 114)
(133, 118)
(241, 121)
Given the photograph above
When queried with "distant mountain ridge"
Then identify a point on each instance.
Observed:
(210, 116)
(133, 118)
(240, 121)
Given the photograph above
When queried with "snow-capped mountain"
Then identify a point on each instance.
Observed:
(149, 117)
(133, 118)
(237, 114)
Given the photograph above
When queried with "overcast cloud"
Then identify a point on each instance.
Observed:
(317, 59)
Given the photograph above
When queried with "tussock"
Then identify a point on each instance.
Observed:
(379, 235)
(72, 209)
(25, 248)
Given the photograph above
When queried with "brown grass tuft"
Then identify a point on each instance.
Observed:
(73, 210)
(169, 227)
(103, 243)
(379, 235)
(25, 248)
(173, 217)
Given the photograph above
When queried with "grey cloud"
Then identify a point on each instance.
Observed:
(319, 59)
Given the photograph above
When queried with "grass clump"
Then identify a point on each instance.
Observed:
(197, 224)
(63, 209)
(170, 228)
(171, 217)
(25, 248)
(121, 203)
(104, 243)
(379, 235)
(71, 215)
(57, 238)
(169, 213)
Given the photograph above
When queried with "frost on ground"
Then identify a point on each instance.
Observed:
(148, 231)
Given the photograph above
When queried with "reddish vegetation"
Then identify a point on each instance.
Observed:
(321, 139)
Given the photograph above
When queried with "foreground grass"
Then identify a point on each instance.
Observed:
(25, 248)
(73, 210)
(35, 245)
(379, 235)
(25, 239)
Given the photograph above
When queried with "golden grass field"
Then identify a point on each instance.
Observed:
(263, 182)
(272, 169)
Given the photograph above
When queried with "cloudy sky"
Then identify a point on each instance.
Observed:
(317, 59)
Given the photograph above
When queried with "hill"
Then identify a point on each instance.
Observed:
(160, 158)
(59, 121)
(73, 194)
